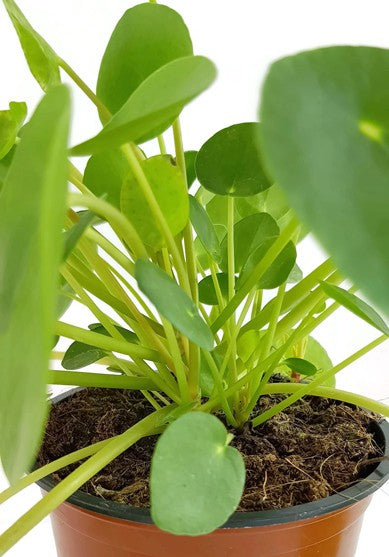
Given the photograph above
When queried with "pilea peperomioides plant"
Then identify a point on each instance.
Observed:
(172, 253)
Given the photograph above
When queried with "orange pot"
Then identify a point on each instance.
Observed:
(87, 526)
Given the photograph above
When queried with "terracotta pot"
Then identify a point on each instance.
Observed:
(87, 526)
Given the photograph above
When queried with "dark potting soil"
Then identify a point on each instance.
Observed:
(313, 449)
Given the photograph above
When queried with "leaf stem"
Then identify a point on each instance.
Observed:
(309, 387)
(101, 380)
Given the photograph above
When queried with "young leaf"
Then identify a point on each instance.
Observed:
(356, 306)
(32, 211)
(300, 365)
(190, 160)
(249, 234)
(204, 229)
(279, 270)
(329, 153)
(73, 235)
(154, 105)
(147, 37)
(168, 186)
(40, 57)
(207, 292)
(229, 162)
(105, 174)
(173, 303)
(10, 123)
(196, 479)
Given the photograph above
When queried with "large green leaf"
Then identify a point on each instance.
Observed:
(32, 210)
(105, 174)
(229, 162)
(154, 105)
(204, 229)
(147, 37)
(356, 306)
(249, 234)
(169, 189)
(10, 123)
(40, 57)
(196, 479)
(173, 303)
(324, 140)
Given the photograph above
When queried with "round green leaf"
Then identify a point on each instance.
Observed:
(207, 292)
(105, 174)
(154, 105)
(300, 365)
(168, 186)
(204, 229)
(197, 480)
(279, 270)
(229, 162)
(324, 140)
(147, 37)
(356, 306)
(173, 303)
(249, 234)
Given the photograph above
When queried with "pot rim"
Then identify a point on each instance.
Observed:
(362, 489)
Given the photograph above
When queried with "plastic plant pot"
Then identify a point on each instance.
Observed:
(88, 526)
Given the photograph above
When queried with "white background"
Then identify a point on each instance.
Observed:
(242, 38)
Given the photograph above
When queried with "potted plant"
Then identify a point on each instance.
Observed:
(186, 262)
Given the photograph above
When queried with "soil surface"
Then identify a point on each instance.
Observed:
(311, 450)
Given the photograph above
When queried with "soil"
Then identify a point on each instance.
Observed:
(311, 450)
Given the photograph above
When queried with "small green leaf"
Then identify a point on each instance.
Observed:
(73, 235)
(207, 292)
(356, 306)
(154, 105)
(10, 122)
(105, 174)
(249, 234)
(190, 159)
(279, 270)
(168, 186)
(40, 57)
(32, 213)
(300, 365)
(229, 162)
(196, 480)
(147, 37)
(173, 303)
(204, 229)
(324, 139)
(79, 354)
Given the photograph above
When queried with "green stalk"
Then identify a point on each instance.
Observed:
(106, 343)
(110, 249)
(161, 144)
(159, 217)
(103, 111)
(258, 271)
(317, 382)
(48, 469)
(82, 474)
(101, 380)
(219, 387)
(231, 291)
(116, 219)
(293, 296)
(216, 285)
(329, 392)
